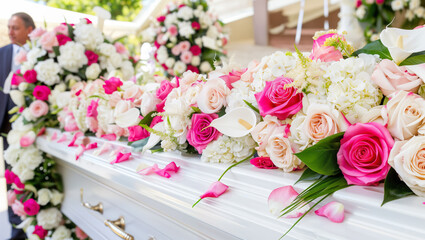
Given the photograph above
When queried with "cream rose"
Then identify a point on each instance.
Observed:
(213, 96)
(280, 152)
(44, 196)
(61, 233)
(149, 102)
(405, 113)
(17, 97)
(373, 115)
(49, 218)
(56, 198)
(262, 132)
(408, 159)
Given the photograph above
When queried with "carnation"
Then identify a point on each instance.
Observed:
(88, 35)
(48, 72)
(228, 150)
(72, 56)
(186, 13)
(93, 71)
(49, 218)
(185, 29)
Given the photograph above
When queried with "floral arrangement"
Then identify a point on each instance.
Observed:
(56, 61)
(187, 37)
(376, 15)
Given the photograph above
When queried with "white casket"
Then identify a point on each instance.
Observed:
(154, 207)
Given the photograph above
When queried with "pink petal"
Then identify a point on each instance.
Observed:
(215, 190)
(74, 138)
(105, 148)
(54, 136)
(163, 173)
(149, 170)
(282, 197)
(91, 146)
(109, 137)
(116, 151)
(333, 210)
(80, 150)
(63, 138)
(122, 157)
(171, 167)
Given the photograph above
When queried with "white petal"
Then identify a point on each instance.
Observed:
(129, 118)
(153, 138)
(419, 70)
(237, 123)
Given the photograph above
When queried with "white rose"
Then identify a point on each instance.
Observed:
(33, 237)
(127, 69)
(405, 113)
(209, 42)
(57, 197)
(23, 86)
(72, 56)
(115, 60)
(191, 95)
(106, 49)
(196, 60)
(170, 62)
(49, 218)
(48, 71)
(11, 155)
(44, 196)
(178, 125)
(186, 13)
(374, 115)
(17, 97)
(63, 99)
(149, 102)
(88, 35)
(198, 41)
(179, 67)
(263, 130)
(31, 156)
(205, 67)
(408, 158)
(93, 71)
(61, 233)
(280, 152)
(23, 171)
(298, 137)
(162, 54)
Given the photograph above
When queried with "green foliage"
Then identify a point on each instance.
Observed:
(414, 59)
(394, 188)
(375, 47)
(122, 10)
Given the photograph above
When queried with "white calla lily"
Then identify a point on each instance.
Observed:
(128, 118)
(236, 123)
(153, 138)
(402, 43)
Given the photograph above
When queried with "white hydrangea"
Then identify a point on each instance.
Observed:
(171, 19)
(61, 233)
(33, 55)
(127, 70)
(104, 115)
(228, 150)
(72, 56)
(93, 71)
(185, 29)
(106, 49)
(48, 72)
(162, 54)
(49, 218)
(11, 155)
(88, 35)
(23, 171)
(31, 156)
(205, 20)
(351, 89)
(271, 67)
(186, 13)
(241, 91)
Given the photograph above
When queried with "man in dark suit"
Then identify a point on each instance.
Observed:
(19, 26)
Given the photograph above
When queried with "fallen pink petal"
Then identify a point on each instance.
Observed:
(91, 146)
(80, 150)
(163, 173)
(280, 198)
(171, 167)
(109, 137)
(215, 190)
(54, 136)
(333, 210)
(74, 139)
(149, 170)
(105, 148)
(63, 138)
(121, 157)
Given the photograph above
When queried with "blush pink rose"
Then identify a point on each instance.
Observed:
(363, 155)
(92, 124)
(213, 96)
(263, 162)
(120, 48)
(63, 39)
(27, 139)
(390, 78)
(91, 56)
(276, 100)
(186, 57)
(161, 39)
(30, 76)
(38, 108)
(21, 57)
(137, 133)
(263, 130)
(11, 197)
(80, 233)
(173, 31)
(18, 208)
(176, 50)
(111, 85)
(41, 92)
(61, 29)
(40, 231)
(114, 98)
(200, 135)
(31, 207)
(36, 33)
(184, 46)
(135, 93)
(48, 41)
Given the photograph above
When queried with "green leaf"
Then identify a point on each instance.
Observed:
(148, 118)
(309, 175)
(394, 188)
(139, 143)
(251, 106)
(56, 50)
(375, 47)
(222, 112)
(321, 157)
(196, 110)
(414, 59)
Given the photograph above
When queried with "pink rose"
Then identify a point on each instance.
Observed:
(176, 50)
(136, 133)
(173, 31)
(91, 56)
(9, 176)
(80, 233)
(31, 76)
(164, 89)
(48, 41)
(184, 46)
(40, 231)
(21, 57)
(263, 130)
(196, 25)
(17, 78)
(120, 48)
(41, 92)
(263, 162)
(36, 33)
(160, 18)
(61, 29)
(92, 124)
(358, 3)
(161, 39)
(111, 85)
(18, 208)
(252, 68)
(87, 20)
(276, 100)
(186, 57)
(195, 50)
(192, 68)
(31, 207)
(92, 108)
(156, 120)
(232, 77)
(11, 197)
(325, 53)
(27, 139)
(380, 2)
(38, 108)
(363, 155)
(63, 39)
(200, 135)
(134, 93)
(390, 78)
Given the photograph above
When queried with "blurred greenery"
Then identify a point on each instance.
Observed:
(122, 10)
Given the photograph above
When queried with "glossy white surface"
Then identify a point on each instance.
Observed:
(161, 208)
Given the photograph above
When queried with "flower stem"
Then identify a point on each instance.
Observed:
(196, 202)
(235, 164)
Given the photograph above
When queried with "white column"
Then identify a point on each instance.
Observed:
(261, 22)
(349, 23)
